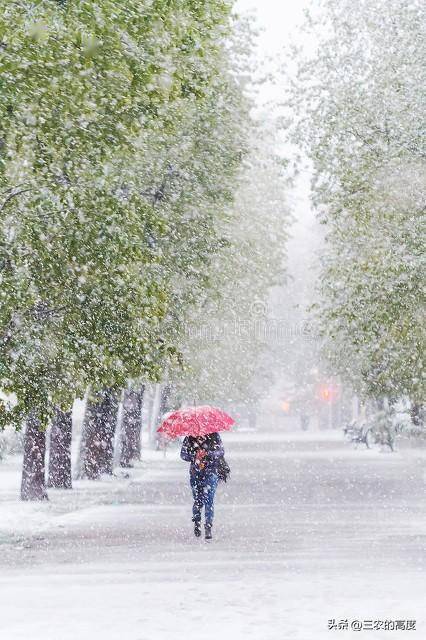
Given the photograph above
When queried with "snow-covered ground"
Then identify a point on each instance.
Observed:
(307, 530)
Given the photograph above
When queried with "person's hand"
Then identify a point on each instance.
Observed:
(199, 458)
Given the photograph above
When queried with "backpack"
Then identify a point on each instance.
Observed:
(223, 469)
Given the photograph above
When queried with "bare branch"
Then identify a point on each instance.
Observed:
(13, 195)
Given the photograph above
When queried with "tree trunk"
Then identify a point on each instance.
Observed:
(110, 404)
(164, 407)
(33, 485)
(98, 435)
(166, 392)
(416, 414)
(153, 418)
(60, 451)
(131, 426)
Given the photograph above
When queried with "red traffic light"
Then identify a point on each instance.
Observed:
(328, 392)
(325, 393)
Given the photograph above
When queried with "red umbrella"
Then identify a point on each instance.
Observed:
(196, 421)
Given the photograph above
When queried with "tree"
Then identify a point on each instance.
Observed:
(131, 425)
(359, 115)
(227, 346)
(108, 116)
(59, 475)
(33, 484)
(97, 440)
(88, 89)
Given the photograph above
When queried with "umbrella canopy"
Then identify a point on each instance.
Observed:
(196, 421)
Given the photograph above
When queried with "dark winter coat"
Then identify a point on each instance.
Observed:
(214, 447)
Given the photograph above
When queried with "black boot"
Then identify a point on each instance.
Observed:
(208, 530)
(197, 528)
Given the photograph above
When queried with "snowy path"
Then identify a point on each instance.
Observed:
(307, 530)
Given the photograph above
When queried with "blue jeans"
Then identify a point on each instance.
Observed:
(203, 490)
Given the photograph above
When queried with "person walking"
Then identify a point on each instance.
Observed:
(203, 448)
(204, 453)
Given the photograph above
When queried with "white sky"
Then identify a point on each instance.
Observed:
(278, 18)
(277, 22)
